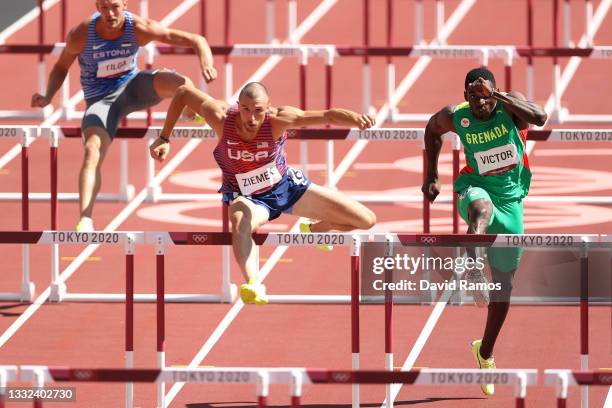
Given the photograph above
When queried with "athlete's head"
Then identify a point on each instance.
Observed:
(253, 103)
(481, 102)
(111, 13)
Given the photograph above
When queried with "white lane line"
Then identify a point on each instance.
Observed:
(277, 253)
(419, 345)
(608, 402)
(228, 319)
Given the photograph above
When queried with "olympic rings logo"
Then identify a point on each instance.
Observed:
(83, 375)
(291, 133)
(429, 240)
(341, 377)
(199, 238)
(605, 379)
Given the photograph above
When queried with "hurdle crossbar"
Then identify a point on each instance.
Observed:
(381, 134)
(294, 377)
(163, 239)
(560, 241)
(564, 379)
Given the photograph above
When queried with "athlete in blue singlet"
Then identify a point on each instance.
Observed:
(106, 46)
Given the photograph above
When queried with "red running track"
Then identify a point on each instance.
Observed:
(305, 335)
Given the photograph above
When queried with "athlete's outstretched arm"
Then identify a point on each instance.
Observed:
(74, 45)
(211, 109)
(291, 117)
(440, 123)
(151, 30)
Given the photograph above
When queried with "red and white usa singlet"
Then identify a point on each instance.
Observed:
(252, 167)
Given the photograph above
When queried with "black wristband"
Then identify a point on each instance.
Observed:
(164, 138)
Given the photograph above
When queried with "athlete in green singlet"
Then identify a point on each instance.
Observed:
(492, 127)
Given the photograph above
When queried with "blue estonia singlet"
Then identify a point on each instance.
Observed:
(108, 64)
(252, 167)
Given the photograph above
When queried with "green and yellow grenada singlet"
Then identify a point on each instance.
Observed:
(494, 152)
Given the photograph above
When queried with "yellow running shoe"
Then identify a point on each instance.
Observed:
(85, 225)
(198, 120)
(305, 229)
(253, 292)
(489, 363)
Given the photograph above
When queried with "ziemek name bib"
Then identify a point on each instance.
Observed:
(261, 178)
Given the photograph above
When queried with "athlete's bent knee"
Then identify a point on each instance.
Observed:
(92, 155)
(241, 223)
(178, 80)
(481, 209)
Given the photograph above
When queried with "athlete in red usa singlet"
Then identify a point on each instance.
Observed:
(258, 185)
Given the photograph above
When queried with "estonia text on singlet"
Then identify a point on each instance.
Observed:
(108, 64)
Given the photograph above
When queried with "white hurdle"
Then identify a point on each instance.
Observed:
(295, 378)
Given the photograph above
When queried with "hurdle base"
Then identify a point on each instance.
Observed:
(410, 117)
(153, 193)
(467, 300)
(229, 293)
(338, 299)
(13, 114)
(171, 197)
(392, 114)
(58, 292)
(428, 297)
(60, 197)
(28, 289)
(582, 118)
(316, 299)
(10, 296)
(127, 193)
(142, 298)
(559, 115)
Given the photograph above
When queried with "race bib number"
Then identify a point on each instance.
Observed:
(497, 160)
(114, 67)
(258, 179)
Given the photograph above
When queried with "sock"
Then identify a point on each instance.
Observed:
(254, 281)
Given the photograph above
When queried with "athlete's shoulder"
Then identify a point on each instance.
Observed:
(145, 26)
(461, 107)
(442, 121)
(139, 22)
(445, 113)
(77, 37)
